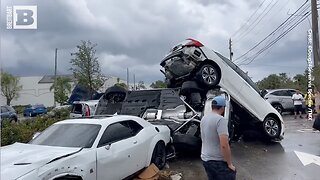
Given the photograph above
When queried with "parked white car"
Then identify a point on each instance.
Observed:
(108, 148)
(83, 108)
(191, 61)
(281, 99)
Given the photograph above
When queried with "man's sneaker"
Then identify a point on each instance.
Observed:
(301, 117)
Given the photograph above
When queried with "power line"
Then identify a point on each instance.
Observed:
(254, 25)
(277, 39)
(274, 31)
(284, 24)
(273, 42)
(255, 20)
(243, 25)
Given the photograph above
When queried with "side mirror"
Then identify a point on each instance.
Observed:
(36, 135)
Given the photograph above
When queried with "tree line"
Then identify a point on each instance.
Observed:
(299, 81)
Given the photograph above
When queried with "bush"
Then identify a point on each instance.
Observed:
(19, 109)
(24, 130)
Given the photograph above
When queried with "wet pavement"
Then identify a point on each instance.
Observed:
(267, 161)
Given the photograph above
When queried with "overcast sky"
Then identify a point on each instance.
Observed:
(138, 33)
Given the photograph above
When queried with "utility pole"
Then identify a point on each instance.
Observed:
(230, 49)
(315, 32)
(55, 75)
(134, 82)
(128, 78)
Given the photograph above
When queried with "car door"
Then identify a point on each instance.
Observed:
(287, 99)
(118, 152)
(5, 113)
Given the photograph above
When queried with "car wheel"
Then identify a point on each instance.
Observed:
(13, 120)
(159, 155)
(187, 143)
(271, 127)
(278, 107)
(189, 87)
(208, 76)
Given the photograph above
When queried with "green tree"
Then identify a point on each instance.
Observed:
(300, 81)
(140, 85)
(86, 68)
(271, 82)
(316, 75)
(285, 81)
(61, 89)
(121, 84)
(10, 87)
(158, 84)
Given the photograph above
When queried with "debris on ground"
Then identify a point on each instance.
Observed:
(176, 176)
(150, 173)
(153, 173)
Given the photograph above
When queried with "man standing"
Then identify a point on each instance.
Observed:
(297, 102)
(215, 150)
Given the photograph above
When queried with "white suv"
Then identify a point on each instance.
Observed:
(192, 61)
(83, 108)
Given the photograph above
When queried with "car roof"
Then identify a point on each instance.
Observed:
(104, 121)
(272, 90)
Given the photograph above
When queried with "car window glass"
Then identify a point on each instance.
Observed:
(135, 127)
(68, 135)
(77, 108)
(288, 93)
(292, 92)
(119, 131)
(10, 109)
(279, 93)
(4, 109)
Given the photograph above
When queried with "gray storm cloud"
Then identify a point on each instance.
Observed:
(137, 34)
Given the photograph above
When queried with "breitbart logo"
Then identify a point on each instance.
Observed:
(21, 17)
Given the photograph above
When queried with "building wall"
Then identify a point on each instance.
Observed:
(34, 93)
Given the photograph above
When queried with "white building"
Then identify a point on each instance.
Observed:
(36, 90)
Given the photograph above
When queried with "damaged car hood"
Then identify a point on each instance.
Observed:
(19, 159)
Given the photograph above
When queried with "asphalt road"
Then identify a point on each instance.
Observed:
(267, 161)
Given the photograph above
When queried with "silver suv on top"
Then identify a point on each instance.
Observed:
(281, 99)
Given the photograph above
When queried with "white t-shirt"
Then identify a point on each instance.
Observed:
(297, 99)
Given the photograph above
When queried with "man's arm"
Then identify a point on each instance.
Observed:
(222, 128)
(225, 148)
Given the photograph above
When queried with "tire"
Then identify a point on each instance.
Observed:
(187, 143)
(208, 76)
(231, 130)
(159, 155)
(271, 127)
(278, 107)
(189, 87)
(172, 83)
(116, 90)
(14, 119)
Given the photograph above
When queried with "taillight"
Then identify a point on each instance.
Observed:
(87, 114)
(193, 42)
